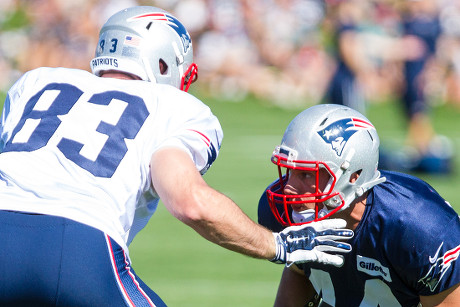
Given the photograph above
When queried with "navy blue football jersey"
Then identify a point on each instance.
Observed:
(406, 245)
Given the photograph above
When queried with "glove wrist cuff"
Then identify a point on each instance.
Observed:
(280, 256)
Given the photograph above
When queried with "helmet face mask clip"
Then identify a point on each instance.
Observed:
(190, 76)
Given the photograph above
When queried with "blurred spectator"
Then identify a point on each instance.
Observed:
(449, 48)
(426, 151)
(224, 53)
(236, 55)
(49, 38)
(13, 39)
(275, 50)
(361, 33)
(353, 66)
(50, 32)
(286, 34)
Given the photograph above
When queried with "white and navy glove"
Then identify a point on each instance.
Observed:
(313, 242)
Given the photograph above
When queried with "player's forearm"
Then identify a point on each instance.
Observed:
(213, 215)
(219, 220)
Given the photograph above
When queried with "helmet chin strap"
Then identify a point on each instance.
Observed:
(307, 215)
(367, 185)
(179, 59)
(360, 190)
(148, 70)
(336, 201)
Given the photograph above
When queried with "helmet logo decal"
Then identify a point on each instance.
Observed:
(338, 133)
(172, 22)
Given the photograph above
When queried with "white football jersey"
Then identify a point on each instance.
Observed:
(79, 146)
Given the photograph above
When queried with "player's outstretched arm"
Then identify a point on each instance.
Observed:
(218, 219)
(210, 213)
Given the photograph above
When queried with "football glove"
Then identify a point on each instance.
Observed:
(313, 242)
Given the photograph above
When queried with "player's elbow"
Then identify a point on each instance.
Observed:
(190, 213)
(193, 208)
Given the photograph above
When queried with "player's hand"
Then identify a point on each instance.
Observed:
(313, 242)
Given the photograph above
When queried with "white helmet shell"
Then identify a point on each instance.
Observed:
(142, 40)
(338, 139)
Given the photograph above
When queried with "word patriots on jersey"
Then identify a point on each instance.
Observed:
(313, 242)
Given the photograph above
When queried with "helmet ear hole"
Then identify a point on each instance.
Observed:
(163, 67)
(355, 176)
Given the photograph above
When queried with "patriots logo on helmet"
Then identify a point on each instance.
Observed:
(439, 266)
(338, 133)
(172, 22)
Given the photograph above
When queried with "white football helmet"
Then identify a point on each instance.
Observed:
(332, 137)
(147, 42)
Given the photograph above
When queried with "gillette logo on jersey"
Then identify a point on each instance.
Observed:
(338, 133)
(372, 267)
(172, 22)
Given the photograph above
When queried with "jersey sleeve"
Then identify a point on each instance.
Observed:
(9, 109)
(441, 269)
(6, 110)
(425, 245)
(433, 263)
(194, 128)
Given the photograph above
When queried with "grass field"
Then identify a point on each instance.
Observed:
(189, 271)
(186, 270)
